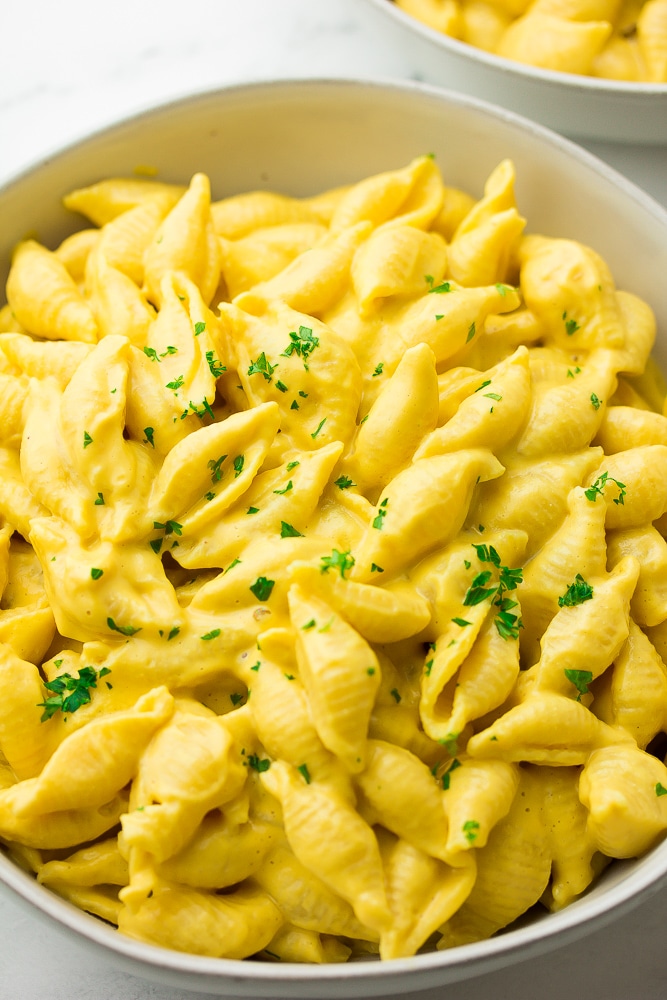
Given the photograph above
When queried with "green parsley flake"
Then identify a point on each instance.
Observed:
(262, 367)
(580, 678)
(213, 634)
(376, 569)
(173, 632)
(378, 369)
(281, 387)
(210, 495)
(576, 593)
(493, 395)
(381, 514)
(461, 622)
(149, 432)
(170, 350)
(395, 695)
(215, 466)
(216, 367)
(96, 573)
(342, 561)
(304, 395)
(450, 743)
(86, 439)
(285, 489)
(262, 588)
(302, 344)
(311, 624)
(292, 465)
(304, 772)
(294, 405)
(441, 289)
(318, 428)
(571, 325)
(239, 462)
(289, 531)
(446, 777)
(256, 666)
(252, 510)
(483, 385)
(598, 489)
(660, 790)
(258, 765)
(100, 500)
(70, 693)
(123, 629)
(235, 698)
(571, 374)
(151, 353)
(344, 483)
(596, 402)
(233, 563)
(471, 332)
(176, 384)
(471, 830)
(199, 328)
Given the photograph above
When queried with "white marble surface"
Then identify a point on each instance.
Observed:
(73, 66)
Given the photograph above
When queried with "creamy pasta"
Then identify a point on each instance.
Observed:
(612, 39)
(332, 562)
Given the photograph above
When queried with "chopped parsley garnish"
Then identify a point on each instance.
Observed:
(289, 531)
(302, 344)
(428, 666)
(86, 439)
(370, 671)
(304, 395)
(381, 514)
(598, 488)
(170, 350)
(450, 743)
(342, 561)
(319, 428)
(262, 588)
(151, 353)
(252, 510)
(440, 289)
(378, 369)
(213, 634)
(580, 678)
(281, 387)
(262, 367)
(502, 289)
(446, 777)
(239, 462)
(507, 623)
(395, 695)
(471, 829)
(216, 367)
(311, 624)
(235, 698)
(70, 693)
(170, 527)
(571, 374)
(294, 405)
(255, 667)
(344, 483)
(461, 622)
(376, 569)
(493, 395)
(173, 632)
(258, 765)
(210, 495)
(96, 573)
(123, 629)
(576, 593)
(596, 402)
(149, 432)
(483, 385)
(285, 489)
(660, 790)
(292, 465)
(571, 325)
(304, 772)
(199, 328)
(99, 502)
(471, 332)
(176, 384)
(232, 564)
(215, 466)
(156, 544)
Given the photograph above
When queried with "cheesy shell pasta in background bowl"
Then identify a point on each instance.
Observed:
(562, 65)
(379, 445)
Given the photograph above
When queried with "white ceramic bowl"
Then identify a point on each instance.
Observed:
(580, 107)
(301, 137)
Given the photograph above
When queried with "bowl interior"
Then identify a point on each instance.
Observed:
(300, 138)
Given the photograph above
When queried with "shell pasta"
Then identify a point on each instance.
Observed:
(332, 567)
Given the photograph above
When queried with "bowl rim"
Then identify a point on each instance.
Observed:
(590, 912)
(509, 67)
